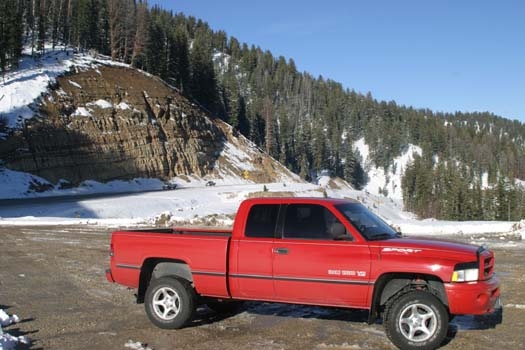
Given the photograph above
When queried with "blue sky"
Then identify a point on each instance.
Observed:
(443, 55)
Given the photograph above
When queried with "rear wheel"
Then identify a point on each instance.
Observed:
(169, 302)
(416, 320)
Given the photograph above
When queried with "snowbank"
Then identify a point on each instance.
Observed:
(18, 185)
(432, 227)
(7, 341)
(192, 202)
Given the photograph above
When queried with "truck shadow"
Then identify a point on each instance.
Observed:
(303, 311)
(206, 316)
(473, 322)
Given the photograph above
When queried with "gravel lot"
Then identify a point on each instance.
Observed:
(53, 279)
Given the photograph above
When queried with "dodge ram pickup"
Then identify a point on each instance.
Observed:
(315, 251)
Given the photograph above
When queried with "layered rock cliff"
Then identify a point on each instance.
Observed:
(118, 123)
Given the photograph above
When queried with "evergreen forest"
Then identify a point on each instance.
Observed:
(469, 161)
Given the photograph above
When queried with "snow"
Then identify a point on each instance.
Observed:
(21, 89)
(75, 84)
(17, 185)
(143, 202)
(82, 112)
(189, 202)
(136, 345)
(7, 341)
(386, 182)
(6, 320)
(237, 157)
(102, 104)
(123, 106)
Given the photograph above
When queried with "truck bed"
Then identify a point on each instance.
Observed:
(203, 251)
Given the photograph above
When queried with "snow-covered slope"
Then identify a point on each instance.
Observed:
(192, 202)
(21, 89)
(381, 182)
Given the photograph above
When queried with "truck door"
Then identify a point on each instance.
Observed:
(310, 266)
(251, 257)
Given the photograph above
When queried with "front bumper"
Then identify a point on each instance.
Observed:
(473, 298)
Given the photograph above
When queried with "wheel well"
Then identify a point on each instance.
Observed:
(154, 268)
(389, 285)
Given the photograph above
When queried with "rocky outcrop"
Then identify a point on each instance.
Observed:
(114, 123)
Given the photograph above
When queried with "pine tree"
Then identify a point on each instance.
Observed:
(155, 50)
(230, 96)
(41, 25)
(203, 85)
(11, 29)
(244, 123)
(270, 141)
(179, 68)
(116, 16)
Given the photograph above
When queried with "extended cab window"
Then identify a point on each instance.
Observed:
(311, 221)
(262, 220)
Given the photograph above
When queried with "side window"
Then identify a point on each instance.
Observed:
(262, 220)
(309, 221)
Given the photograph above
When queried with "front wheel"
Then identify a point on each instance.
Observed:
(169, 302)
(416, 320)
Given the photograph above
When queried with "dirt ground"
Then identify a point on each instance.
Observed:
(53, 279)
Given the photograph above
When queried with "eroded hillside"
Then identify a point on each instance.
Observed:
(118, 123)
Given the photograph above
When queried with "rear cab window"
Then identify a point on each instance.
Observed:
(262, 221)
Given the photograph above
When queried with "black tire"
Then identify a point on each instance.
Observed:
(224, 307)
(416, 320)
(169, 302)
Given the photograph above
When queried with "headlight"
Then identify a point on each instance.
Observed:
(466, 272)
(467, 275)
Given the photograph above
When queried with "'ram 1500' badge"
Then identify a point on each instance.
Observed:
(347, 273)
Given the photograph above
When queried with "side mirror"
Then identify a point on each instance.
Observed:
(338, 232)
(344, 237)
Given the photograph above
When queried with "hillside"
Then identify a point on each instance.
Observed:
(104, 122)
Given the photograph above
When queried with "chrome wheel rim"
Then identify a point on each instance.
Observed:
(418, 322)
(166, 303)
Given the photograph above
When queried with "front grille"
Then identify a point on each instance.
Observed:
(486, 264)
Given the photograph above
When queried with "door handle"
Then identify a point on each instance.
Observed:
(282, 251)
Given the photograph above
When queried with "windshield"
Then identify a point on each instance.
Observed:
(368, 224)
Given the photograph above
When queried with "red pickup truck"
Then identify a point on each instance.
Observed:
(315, 251)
